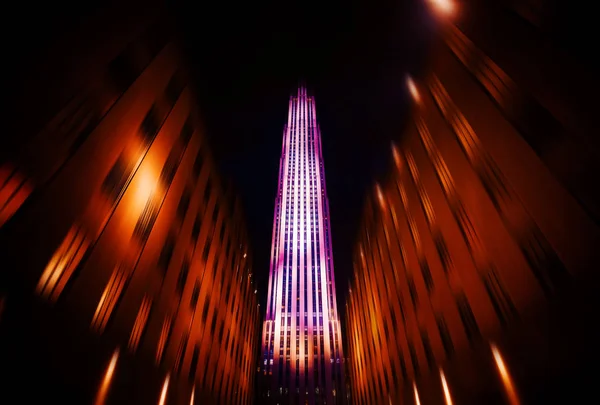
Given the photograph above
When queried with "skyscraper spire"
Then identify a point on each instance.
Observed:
(302, 345)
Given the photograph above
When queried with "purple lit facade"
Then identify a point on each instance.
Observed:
(302, 344)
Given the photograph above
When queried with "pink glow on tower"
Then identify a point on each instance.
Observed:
(302, 345)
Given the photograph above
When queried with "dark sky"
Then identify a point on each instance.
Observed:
(353, 57)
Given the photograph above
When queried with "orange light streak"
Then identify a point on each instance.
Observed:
(446, 389)
(163, 393)
(417, 400)
(108, 375)
(412, 89)
(507, 381)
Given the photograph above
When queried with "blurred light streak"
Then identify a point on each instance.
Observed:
(108, 375)
(412, 89)
(446, 389)
(507, 381)
(163, 393)
(380, 196)
(396, 155)
(417, 400)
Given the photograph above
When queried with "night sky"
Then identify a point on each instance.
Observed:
(353, 57)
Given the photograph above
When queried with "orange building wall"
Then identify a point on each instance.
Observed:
(512, 202)
(94, 256)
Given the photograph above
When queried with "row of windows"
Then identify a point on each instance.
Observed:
(374, 291)
(71, 252)
(78, 120)
(371, 293)
(545, 264)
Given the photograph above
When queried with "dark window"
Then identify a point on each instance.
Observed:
(215, 212)
(403, 365)
(187, 130)
(183, 274)
(198, 162)
(213, 324)
(467, 317)
(445, 336)
(413, 358)
(428, 350)
(206, 248)
(221, 332)
(171, 164)
(150, 125)
(222, 233)
(442, 249)
(501, 301)
(175, 87)
(228, 249)
(195, 295)
(196, 229)
(194, 363)
(227, 293)
(184, 204)
(166, 254)
(546, 266)
(146, 220)
(401, 306)
(205, 309)
(207, 191)
(394, 320)
(412, 290)
(116, 180)
(181, 351)
(426, 271)
(492, 181)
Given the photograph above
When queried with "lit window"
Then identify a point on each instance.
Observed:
(63, 263)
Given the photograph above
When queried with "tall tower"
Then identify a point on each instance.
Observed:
(302, 345)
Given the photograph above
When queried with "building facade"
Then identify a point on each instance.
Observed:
(474, 272)
(302, 356)
(126, 267)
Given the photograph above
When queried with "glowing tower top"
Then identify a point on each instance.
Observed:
(302, 345)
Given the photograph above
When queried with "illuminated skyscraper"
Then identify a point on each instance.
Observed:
(302, 345)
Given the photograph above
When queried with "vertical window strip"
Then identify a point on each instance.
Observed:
(438, 162)
(118, 178)
(140, 323)
(181, 352)
(445, 336)
(424, 198)
(109, 299)
(545, 264)
(494, 79)
(501, 301)
(429, 356)
(468, 318)
(146, 220)
(63, 263)
(164, 337)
